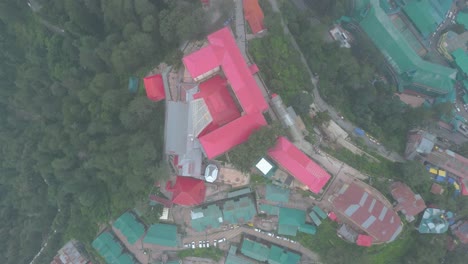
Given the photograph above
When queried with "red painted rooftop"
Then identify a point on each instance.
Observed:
(222, 52)
(254, 15)
(408, 202)
(364, 241)
(299, 165)
(154, 86)
(216, 95)
(359, 205)
(187, 191)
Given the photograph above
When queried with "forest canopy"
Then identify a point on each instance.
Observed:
(77, 147)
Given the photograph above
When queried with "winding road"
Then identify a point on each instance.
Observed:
(323, 106)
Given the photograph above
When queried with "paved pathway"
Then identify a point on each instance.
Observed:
(229, 234)
(323, 106)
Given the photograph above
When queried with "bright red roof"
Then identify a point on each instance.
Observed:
(332, 216)
(222, 51)
(365, 209)
(216, 95)
(154, 86)
(254, 15)
(464, 190)
(234, 133)
(364, 241)
(299, 165)
(187, 191)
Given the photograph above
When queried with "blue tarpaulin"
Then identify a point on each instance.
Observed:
(440, 179)
(359, 131)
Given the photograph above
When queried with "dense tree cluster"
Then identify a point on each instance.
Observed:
(354, 80)
(77, 147)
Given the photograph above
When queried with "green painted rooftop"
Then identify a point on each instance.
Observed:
(279, 255)
(269, 209)
(233, 258)
(209, 217)
(308, 229)
(162, 234)
(254, 250)
(107, 246)
(130, 227)
(289, 220)
(427, 15)
(276, 194)
(414, 72)
(239, 210)
(462, 19)
(461, 58)
(239, 192)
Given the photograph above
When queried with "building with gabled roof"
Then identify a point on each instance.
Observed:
(222, 54)
(239, 210)
(162, 234)
(434, 221)
(274, 193)
(289, 221)
(233, 258)
(299, 165)
(130, 227)
(154, 87)
(268, 253)
(366, 208)
(409, 203)
(253, 13)
(109, 247)
(187, 191)
(204, 217)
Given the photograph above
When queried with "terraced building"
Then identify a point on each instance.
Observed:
(394, 39)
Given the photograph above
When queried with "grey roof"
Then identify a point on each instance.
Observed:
(177, 122)
(347, 233)
(427, 144)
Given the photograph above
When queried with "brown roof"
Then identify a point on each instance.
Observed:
(409, 203)
(460, 229)
(436, 189)
(364, 207)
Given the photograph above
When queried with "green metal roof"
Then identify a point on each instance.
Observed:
(239, 192)
(130, 227)
(202, 218)
(279, 255)
(319, 211)
(162, 234)
(239, 211)
(315, 218)
(461, 58)
(289, 221)
(254, 250)
(414, 73)
(462, 18)
(232, 258)
(427, 15)
(107, 246)
(277, 194)
(269, 209)
(308, 229)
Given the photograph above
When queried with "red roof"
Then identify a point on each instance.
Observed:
(464, 190)
(226, 137)
(187, 191)
(365, 209)
(222, 51)
(154, 86)
(299, 165)
(364, 241)
(332, 216)
(216, 95)
(254, 15)
(409, 203)
(436, 189)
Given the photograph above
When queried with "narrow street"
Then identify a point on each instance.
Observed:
(323, 106)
